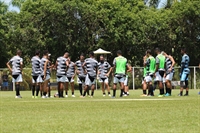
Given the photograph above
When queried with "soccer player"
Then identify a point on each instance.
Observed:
(45, 72)
(104, 70)
(70, 77)
(160, 68)
(36, 74)
(80, 73)
(120, 67)
(16, 70)
(169, 73)
(90, 66)
(184, 72)
(126, 88)
(61, 68)
(150, 70)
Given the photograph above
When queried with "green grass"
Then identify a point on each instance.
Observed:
(131, 114)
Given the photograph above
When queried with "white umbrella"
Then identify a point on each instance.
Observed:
(101, 51)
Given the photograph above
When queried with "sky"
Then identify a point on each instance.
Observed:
(11, 8)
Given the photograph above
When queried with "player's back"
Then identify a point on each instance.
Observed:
(36, 70)
(15, 61)
(61, 66)
(91, 65)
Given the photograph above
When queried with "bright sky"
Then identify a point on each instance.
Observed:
(11, 8)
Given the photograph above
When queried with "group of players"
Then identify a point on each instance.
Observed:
(87, 70)
(162, 68)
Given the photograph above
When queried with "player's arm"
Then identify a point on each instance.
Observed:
(56, 64)
(9, 67)
(45, 68)
(182, 65)
(83, 66)
(199, 65)
(74, 71)
(129, 68)
(173, 62)
(144, 60)
(157, 64)
(21, 65)
(67, 64)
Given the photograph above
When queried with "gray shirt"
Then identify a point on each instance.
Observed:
(36, 70)
(16, 68)
(103, 68)
(91, 65)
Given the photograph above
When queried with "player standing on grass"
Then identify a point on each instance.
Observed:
(61, 68)
(149, 63)
(36, 74)
(70, 77)
(91, 68)
(169, 73)
(16, 70)
(45, 72)
(184, 72)
(120, 67)
(126, 88)
(80, 73)
(160, 68)
(104, 70)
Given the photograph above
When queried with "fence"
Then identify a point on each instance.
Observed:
(194, 77)
(135, 79)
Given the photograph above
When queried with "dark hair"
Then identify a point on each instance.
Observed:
(157, 49)
(45, 52)
(91, 53)
(119, 52)
(148, 51)
(19, 51)
(82, 54)
(184, 49)
(37, 52)
(102, 55)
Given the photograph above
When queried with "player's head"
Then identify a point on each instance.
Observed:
(46, 53)
(148, 52)
(19, 52)
(183, 50)
(91, 54)
(82, 57)
(66, 55)
(37, 52)
(119, 52)
(101, 58)
(157, 51)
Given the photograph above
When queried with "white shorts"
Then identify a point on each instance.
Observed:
(69, 79)
(158, 77)
(38, 80)
(61, 79)
(101, 80)
(118, 80)
(126, 81)
(47, 77)
(89, 81)
(169, 77)
(17, 78)
(148, 78)
(80, 80)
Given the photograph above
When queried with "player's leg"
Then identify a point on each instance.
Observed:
(161, 86)
(72, 87)
(144, 87)
(115, 81)
(182, 83)
(49, 89)
(80, 85)
(102, 86)
(87, 83)
(34, 81)
(107, 86)
(45, 88)
(122, 88)
(92, 89)
(17, 79)
(186, 86)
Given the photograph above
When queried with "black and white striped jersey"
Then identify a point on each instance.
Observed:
(103, 68)
(61, 66)
(71, 69)
(91, 66)
(79, 64)
(15, 61)
(36, 70)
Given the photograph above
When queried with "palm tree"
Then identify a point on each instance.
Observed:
(3, 7)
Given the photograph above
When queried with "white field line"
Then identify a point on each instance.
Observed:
(95, 100)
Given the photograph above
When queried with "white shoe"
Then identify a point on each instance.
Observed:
(18, 96)
(104, 95)
(66, 95)
(125, 95)
(73, 96)
(91, 96)
(109, 95)
(44, 96)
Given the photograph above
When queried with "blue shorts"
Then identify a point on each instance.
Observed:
(184, 76)
(5, 84)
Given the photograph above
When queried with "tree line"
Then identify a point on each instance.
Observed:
(80, 26)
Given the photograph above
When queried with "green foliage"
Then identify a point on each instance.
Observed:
(81, 26)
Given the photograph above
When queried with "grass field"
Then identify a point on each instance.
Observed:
(132, 114)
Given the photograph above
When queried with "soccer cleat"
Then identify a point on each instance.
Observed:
(160, 95)
(66, 95)
(167, 94)
(150, 96)
(44, 97)
(73, 96)
(82, 96)
(125, 95)
(180, 95)
(109, 95)
(33, 97)
(18, 96)
(113, 97)
(186, 95)
(143, 95)
(104, 95)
